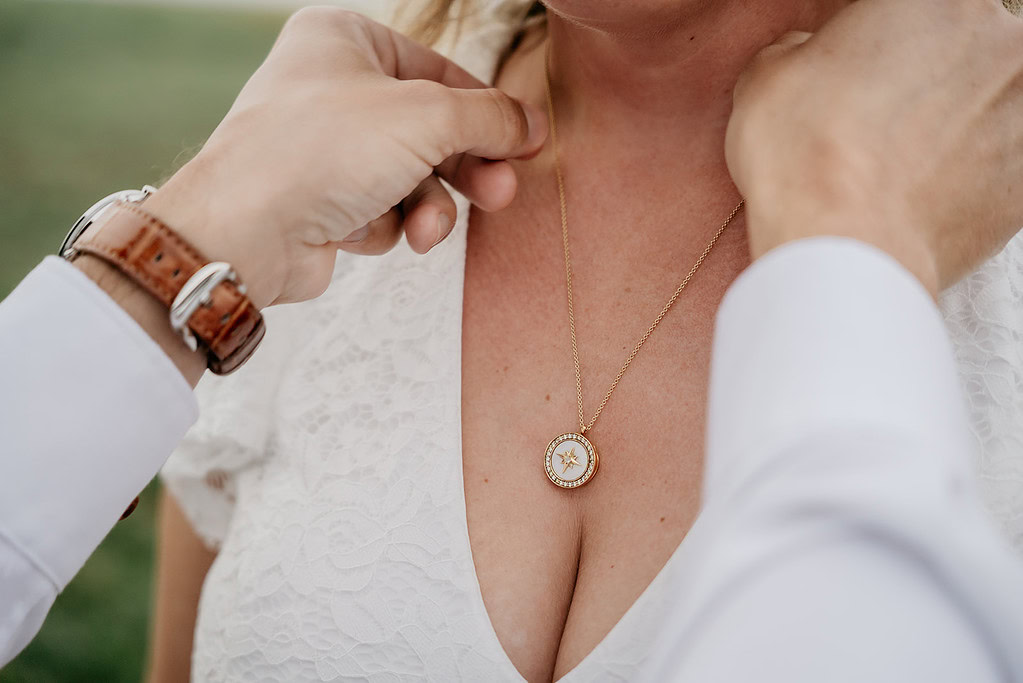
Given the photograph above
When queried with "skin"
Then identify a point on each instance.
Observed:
(658, 100)
(182, 562)
(850, 133)
(936, 184)
(357, 172)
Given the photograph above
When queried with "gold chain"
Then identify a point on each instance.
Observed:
(583, 425)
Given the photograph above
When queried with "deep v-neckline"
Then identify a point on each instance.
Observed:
(461, 234)
(485, 55)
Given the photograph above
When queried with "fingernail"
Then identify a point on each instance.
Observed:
(537, 122)
(443, 226)
(358, 235)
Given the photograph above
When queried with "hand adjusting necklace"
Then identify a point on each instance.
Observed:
(571, 460)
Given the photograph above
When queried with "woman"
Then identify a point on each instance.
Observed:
(378, 490)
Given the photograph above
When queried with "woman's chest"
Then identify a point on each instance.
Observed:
(558, 568)
(349, 550)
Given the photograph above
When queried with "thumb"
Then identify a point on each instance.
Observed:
(768, 57)
(486, 122)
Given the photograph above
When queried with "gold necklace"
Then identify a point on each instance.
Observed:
(571, 460)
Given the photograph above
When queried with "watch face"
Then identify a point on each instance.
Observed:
(93, 212)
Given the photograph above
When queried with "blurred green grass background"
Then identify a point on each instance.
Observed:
(96, 98)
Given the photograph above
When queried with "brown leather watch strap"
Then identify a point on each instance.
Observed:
(229, 326)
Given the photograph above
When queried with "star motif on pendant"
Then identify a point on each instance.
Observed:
(569, 459)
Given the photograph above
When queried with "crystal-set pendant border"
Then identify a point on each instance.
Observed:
(592, 461)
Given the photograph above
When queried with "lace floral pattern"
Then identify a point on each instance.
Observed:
(328, 470)
(984, 314)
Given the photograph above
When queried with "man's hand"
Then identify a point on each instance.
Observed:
(900, 123)
(337, 142)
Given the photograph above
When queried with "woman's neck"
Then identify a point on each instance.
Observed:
(646, 82)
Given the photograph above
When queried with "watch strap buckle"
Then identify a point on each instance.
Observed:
(207, 304)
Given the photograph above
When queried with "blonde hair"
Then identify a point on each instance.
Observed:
(438, 15)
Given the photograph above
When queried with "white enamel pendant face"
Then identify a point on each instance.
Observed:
(571, 461)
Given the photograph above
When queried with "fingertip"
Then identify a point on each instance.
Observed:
(427, 226)
(530, 155)
(768, 56)
(492, 185)
(783, 45)
(536, 120)
(420, 228)
(793, 38)
(424, 208)
(444, 226)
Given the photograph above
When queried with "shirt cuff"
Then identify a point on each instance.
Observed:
(26, 596)
(90, 408)
(822, 333)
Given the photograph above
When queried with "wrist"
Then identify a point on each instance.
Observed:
(203, 299)
(888, 230)
(147, 312)
(219, 230)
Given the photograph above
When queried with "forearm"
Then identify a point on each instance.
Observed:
(90, 408)
(847, 611)
(182, 561)
(839, 502)
(154, 255)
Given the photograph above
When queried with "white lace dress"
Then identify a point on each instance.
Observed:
(328, 470)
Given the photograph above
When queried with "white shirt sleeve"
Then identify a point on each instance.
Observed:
(90, 408)
(842, 537)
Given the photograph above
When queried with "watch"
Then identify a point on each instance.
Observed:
(206, 302)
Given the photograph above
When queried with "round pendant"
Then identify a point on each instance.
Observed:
(571, 460)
